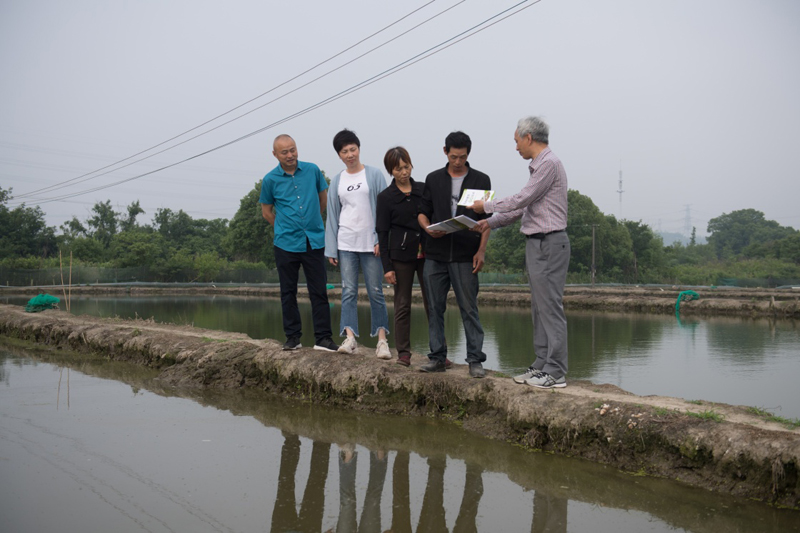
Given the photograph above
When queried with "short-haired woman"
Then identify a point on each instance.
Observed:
(352, 243)
(400, 239)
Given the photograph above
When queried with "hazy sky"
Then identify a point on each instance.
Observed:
(697, 101)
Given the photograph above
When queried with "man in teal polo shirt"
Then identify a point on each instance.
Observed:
(292, 199)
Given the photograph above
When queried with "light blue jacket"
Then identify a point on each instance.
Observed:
(376, 183)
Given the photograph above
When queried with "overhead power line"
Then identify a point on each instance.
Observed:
(470, 32)
(75, 181)
(88, 175)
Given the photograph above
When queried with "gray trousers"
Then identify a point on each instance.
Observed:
(546, 261)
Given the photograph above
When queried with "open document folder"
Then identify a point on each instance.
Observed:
(470, 195)
(454, 224)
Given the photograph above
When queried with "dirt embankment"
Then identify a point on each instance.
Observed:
(774, 303)
(741, 454)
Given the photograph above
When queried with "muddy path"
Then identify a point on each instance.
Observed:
(714, 446)
(719, 301)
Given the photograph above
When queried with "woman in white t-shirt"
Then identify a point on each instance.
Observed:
(352, 243)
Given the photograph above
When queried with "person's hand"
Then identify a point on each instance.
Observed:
(481, 226)
(477, 206)
(333, 261)
(377, 251)
(390, 278)
(477, 262)
(434, 233)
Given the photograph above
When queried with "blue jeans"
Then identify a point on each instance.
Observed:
(349, 264)
(439, 277)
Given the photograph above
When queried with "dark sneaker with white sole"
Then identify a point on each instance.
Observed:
(292, 343)
(326, 345)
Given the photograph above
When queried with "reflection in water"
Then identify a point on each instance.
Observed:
(371, 511)
(432, 515)
(285, 516)
(549, 513)
(155, 462)
(58, 392)
(473, 491)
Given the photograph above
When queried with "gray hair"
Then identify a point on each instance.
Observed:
(535, 127)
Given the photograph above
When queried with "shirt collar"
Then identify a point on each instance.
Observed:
(538, 159)
(284, 173)
(465, 164)
(400, 195)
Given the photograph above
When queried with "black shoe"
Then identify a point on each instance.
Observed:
(476, 370)
(326, 345)
(433, 366)
(447, 363)
(292, 343)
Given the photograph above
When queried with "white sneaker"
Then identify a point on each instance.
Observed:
(382, 351)
(529, 373)
(348, 346)
(546, 381)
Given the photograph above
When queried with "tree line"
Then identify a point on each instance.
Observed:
(741, 245)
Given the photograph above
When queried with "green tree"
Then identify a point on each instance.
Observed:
(731, 233)
(176, 228)
(207, 236)
(129, 222)
(103, 223)
(23, 231)
(506, 250)
(138, 247)
(614, 251)
(73, 229)
(208, 266)
(86, 249)
(250, 237)
(184, 233)
(582, 215)
(789, 249)
(177, 266)
(648, 253)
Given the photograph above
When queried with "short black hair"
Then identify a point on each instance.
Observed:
(344, 138)
(393, 158)
(457, 139)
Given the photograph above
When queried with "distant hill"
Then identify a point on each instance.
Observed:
(670, 238)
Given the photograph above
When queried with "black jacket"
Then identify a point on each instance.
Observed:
(458, 247)
(399, 233)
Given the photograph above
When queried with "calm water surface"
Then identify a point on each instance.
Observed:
(737, 361)
(91, 445)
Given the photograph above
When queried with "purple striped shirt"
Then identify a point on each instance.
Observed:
(542, 202)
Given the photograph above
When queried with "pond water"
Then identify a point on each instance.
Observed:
(94, 445)
(739, 361)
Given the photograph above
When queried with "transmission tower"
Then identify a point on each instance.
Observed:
(687, 221)
(620, 191)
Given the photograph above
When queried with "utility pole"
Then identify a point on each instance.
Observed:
(619, 190)
(593, 263)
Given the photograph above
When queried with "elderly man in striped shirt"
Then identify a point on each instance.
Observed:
(542, 204)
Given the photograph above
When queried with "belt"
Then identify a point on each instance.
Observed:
(540, 236)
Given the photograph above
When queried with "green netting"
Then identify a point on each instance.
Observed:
(42, 302)
(685, 296)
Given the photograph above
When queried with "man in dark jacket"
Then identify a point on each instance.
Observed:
(453, 259)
